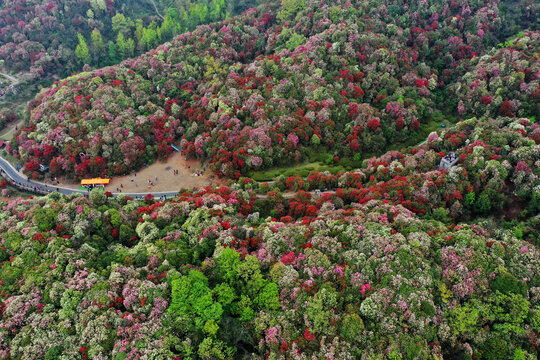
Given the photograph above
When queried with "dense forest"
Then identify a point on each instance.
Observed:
(59, 37)
(334, 233)
(255, 91)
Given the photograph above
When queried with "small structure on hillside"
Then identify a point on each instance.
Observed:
(96, 182)
(448, 161)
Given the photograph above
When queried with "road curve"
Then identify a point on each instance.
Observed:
(22, 182)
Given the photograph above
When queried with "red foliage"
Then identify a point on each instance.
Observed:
(32, 165)
(289, 258)
(506, 109)
(308, 335)
(486, 100)
(374, 124)
(421, 83)
(400, 123)
(38, 237)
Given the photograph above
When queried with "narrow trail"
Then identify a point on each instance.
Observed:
(10, 129)
(157, 11)
(13, 79)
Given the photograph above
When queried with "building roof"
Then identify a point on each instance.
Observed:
(95, 181)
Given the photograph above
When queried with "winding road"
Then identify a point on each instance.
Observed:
(21, 181)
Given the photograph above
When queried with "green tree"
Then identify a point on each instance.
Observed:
(262, 293)
(130, 47)
(192, 299)
(227, 265)
(112, 53)
(289, 8)
(464, 319)
(217, 11)
(45, 219)
(470, 198)
(126, 48)
(167, 29)
(120, 24)
(97, 197)
(211, 349)
(295, 41)
(98, 47)
(126, 234)
(199, 14)
(150, 37)
(483, 204)
(352, 327)
(98, 5)
(81, 51)
(507, 312)
(139, 31)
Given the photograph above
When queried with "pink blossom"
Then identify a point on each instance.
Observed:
(272, 335)
(432, 137)
(364, 288)
(480, 33)
(293, 138)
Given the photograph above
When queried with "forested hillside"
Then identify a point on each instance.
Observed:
(58, 37)
(205, 277)
(268, 87)
(339, 234)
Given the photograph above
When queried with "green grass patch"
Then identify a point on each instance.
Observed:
(302, 170)
(319, 159)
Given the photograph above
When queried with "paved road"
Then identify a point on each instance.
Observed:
(22, 182)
